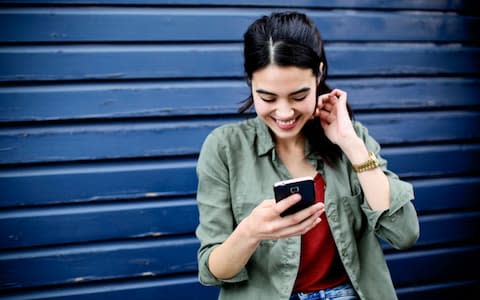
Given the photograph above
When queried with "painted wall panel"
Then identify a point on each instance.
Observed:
(153, 139)
(183, 287)
(118, 24)
(146, 258)
(89, 223)
(98, 62)
(106, 182)
(213, 97)
(443, 5)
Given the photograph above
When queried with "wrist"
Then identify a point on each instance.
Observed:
(246, 233)
(370, 164)
(355, 150)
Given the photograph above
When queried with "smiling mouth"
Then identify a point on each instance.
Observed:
(286, 124)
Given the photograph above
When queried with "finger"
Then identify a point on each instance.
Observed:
(318, 207)
(323, 97)
(327, 107)
(302, 227)
(342, 112)
(326, 116)
(318, 107)
(315, 223)
(329, 99)
(305, 213)
(332, 102)
(341, 95)
(284, 204)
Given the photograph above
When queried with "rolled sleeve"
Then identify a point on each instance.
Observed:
(207, 278)
(214, 205)
(397, 225)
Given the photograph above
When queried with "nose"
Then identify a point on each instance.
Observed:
(284, 112)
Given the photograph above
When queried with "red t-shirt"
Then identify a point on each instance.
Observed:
(320, 264)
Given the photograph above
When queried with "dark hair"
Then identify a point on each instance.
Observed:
(290, 39)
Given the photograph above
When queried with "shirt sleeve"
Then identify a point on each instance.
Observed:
(216, 221)
(397, 225)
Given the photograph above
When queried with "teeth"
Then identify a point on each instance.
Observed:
(289, 122)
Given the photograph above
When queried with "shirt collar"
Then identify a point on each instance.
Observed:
(264, 141)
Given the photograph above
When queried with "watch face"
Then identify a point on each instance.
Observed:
(375, 160)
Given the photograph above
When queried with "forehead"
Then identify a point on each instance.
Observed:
(277, 78)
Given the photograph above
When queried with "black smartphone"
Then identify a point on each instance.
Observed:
(303, 186)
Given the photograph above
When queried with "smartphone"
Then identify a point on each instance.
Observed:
(303, 186)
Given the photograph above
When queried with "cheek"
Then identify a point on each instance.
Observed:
(261, 107)
(308, 104)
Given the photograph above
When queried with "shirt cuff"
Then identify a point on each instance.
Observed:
(401, 193)
(207, 278)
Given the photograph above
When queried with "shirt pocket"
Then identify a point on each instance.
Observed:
(351, 205)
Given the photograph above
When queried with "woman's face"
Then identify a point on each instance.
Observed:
(284, 98)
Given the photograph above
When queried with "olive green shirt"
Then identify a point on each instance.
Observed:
(236, 171)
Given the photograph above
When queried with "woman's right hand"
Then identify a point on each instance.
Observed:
(265, 222)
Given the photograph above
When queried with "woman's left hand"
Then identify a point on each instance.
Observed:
(334, 118)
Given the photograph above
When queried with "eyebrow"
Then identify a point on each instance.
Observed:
(302, 90)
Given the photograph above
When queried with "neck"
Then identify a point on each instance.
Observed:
(290, 145)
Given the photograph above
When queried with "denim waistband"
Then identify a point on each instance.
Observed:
(342, 290)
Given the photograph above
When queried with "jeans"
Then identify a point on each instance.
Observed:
(340, 292)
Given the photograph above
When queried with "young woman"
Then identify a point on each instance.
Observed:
(331, 249)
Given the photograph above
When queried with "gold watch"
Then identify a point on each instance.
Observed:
(370, 164)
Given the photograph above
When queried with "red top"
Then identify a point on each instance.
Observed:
(320, 265)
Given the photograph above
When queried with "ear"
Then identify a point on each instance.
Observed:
(320, 73)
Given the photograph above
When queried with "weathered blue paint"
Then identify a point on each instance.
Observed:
(443, 5)
(104, 105)
(430, 265)
(153, 139)
(119, 24)
(143, 218)
(91, 182)
(100, 62)
(206, 97)
(156, 257)
(147, 287)
(87, 182)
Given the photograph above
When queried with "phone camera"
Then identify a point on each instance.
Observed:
(294, 189)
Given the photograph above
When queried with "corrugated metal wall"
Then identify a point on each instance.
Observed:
(104, 106)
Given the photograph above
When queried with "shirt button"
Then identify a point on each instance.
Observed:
(344, 252)
(334, 217)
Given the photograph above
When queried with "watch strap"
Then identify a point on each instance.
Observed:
(370, 164)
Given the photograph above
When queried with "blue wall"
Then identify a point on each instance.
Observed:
(104, 106)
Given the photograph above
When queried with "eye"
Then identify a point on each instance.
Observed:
(268, 99)
(300, 97)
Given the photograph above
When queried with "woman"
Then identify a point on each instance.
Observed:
(303, 128)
